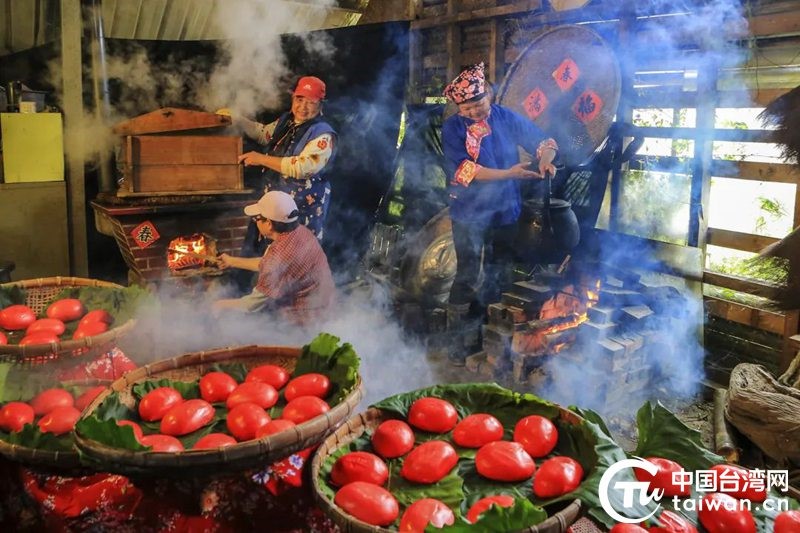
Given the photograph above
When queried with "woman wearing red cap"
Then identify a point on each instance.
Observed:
(480, 147)
(299, 147)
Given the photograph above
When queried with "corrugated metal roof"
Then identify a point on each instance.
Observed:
(25, 24)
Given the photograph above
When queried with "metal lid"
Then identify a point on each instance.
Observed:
(568, 82)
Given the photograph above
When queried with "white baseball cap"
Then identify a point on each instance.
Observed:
(274, 205)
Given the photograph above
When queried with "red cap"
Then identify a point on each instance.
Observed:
(310, 87)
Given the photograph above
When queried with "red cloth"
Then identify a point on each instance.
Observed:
(295, 277)
(111, 365)
(35, 501)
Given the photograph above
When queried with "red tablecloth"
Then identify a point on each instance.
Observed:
(35, 500)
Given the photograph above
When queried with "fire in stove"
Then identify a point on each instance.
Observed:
(191, 251)
(559, 316)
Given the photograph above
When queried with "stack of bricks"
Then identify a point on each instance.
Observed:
(625, 316)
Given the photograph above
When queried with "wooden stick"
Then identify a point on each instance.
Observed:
(563, 264)
(194, 255)
(724, 442)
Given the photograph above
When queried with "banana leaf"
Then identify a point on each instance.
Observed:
(662, 434)
(323, 355)
(339, 363)
(31, 437)
(584, 441)
(18, 384)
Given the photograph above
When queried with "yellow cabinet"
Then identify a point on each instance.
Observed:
(33, 147)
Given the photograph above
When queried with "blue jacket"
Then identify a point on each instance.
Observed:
(486, 203)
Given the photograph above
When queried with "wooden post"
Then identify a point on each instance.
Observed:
(453, 37)
(415, 65)
(624, 111)
(74, 146)
(497, 51)
(703, 148)
(789, 349)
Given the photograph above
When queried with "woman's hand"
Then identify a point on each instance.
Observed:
(252, 159)
(521, 170)
(546, 162)
(225, 261)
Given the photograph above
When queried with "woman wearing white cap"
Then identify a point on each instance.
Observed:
(294, 279)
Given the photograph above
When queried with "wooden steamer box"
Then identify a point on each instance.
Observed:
(157, 160)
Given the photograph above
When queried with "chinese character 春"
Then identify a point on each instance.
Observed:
(144, 234)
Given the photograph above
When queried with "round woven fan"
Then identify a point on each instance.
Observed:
(568, 82)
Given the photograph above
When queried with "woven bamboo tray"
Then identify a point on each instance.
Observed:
(50, 459)
(38, 295)
(249, 454)
(371, 419)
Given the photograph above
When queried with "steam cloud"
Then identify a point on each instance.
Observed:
(250, 72)
(391, 362)
(675, 355)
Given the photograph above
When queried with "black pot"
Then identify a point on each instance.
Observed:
(547, 230)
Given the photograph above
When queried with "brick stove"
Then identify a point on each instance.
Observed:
(592, 311)
(180, 179)
(218, 217)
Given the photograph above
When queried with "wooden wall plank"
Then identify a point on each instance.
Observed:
(454, 16)
(748, 286)
(743, 314)
(745, 242)
(770, 172)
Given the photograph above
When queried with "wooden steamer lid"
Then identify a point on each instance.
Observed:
(169, 119)
(567, 81)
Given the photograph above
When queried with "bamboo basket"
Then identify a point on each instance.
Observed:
(249, 454)
(371, 419)
(59, 460)
(38, 295)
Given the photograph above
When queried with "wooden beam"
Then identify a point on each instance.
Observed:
(721, 168)
(747, 286)
(746, 242)
(657, 256)
(454, 17)
(745, 170)
(74, 146)
(675, 96)
(751, 98)
(732, 135)
(744, 314)
(774, 24)
(660, 97)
